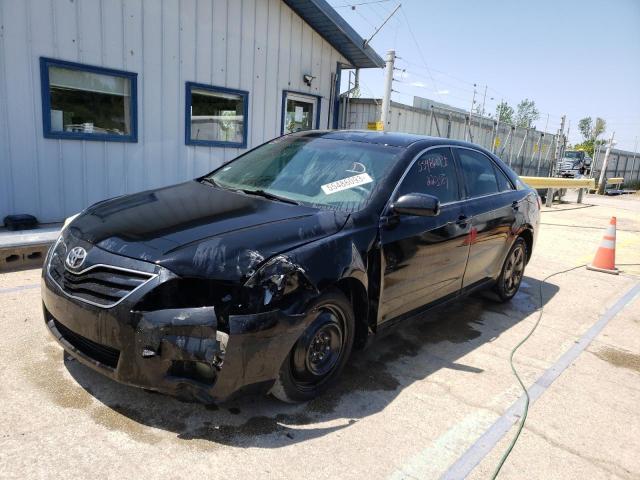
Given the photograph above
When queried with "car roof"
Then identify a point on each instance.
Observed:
(396, 139)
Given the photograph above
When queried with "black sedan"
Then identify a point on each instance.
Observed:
(263, 275)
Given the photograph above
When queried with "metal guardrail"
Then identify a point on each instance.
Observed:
(554, 182)
(615, 181)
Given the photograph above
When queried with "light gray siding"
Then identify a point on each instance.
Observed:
(620, 164)
(260, 46)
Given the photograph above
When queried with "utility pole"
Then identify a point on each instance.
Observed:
(473, 101)
(566, 138)
(559, 142)
(484, 99)
(594, 161)
(539, 154)
(497, 131)
(481, 118)
(388, 82)
(633, 165)
(604, 165)
(512, 135)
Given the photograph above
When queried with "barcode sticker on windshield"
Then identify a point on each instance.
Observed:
(346, 183)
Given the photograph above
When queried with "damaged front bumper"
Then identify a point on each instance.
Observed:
(180, 352)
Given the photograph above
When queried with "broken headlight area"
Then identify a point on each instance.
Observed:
(190, 293)
(277, 279)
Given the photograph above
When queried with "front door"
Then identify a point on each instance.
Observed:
(424, 257)
(300, 112)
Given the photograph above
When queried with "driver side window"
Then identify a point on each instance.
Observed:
(434, 173)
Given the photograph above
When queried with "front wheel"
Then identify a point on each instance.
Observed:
(512, 271)
(320, 353)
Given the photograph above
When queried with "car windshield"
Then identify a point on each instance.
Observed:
(319, 172)
(573, 155)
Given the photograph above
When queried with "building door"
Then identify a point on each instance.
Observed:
(300, 112)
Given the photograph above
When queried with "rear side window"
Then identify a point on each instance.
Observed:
(433, 173)
(478, 173)
(503, 182)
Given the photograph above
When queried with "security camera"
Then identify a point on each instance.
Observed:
(308, 79)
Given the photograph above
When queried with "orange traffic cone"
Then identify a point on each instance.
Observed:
(605, 259)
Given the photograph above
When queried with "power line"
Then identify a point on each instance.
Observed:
(406, 19)
(373, 9)
(353, 5)
(417, 75)
(365, 19)
(507, 98)
(385, 13)
(441, 72)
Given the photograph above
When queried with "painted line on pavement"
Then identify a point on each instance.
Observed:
(483, 445)
(20, 288)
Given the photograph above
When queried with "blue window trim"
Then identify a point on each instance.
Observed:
(45, 63)
(306, 94)
(214, 143)
(336, 98)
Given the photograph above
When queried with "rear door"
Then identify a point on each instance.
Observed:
(424, 257)
(491, 202)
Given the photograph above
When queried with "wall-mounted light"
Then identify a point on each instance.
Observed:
(308, 79)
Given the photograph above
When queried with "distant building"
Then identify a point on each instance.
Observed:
(103, 98)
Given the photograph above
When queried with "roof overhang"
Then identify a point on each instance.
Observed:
(334, 29)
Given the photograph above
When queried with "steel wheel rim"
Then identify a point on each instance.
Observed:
(319, 351)
(514, 271)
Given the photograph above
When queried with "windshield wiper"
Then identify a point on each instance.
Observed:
(270, 196)
(210, 181)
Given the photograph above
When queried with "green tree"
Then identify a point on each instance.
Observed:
(591, 131)
(526, 114)
(504, 113)
(599, 128)
(585, 125)
(589, 146)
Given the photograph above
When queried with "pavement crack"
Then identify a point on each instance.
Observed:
(597, 462)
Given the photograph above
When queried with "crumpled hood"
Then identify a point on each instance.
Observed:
(199, 230)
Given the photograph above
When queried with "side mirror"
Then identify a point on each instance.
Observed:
(419, 204)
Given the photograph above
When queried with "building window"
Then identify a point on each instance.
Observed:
(216, 116)
(299, 112)
(88, 103)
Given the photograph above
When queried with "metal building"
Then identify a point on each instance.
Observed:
(99, 98)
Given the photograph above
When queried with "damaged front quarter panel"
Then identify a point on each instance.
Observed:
(278, 278)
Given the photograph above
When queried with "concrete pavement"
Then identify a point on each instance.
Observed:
(408, 407)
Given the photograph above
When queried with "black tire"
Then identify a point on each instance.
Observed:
(512, 271)
(321, 352)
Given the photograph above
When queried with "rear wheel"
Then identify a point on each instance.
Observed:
(320, 353)
(512, 271)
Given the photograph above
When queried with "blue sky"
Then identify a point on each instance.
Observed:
(574, 57)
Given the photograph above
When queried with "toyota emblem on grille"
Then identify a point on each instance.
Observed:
(76, 257)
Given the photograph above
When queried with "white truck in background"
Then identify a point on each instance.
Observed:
(574, 164)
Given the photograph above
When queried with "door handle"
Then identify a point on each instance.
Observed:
(462, 220)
